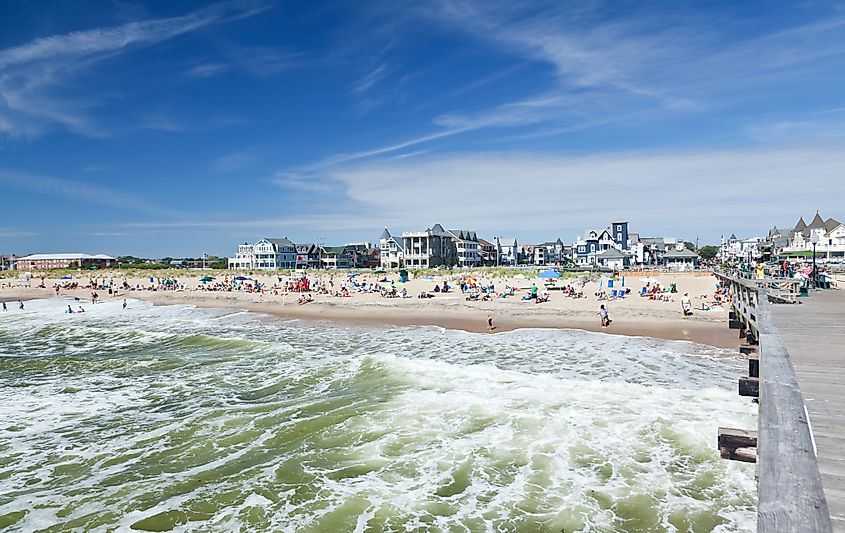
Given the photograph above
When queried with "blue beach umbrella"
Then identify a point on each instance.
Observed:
(549, 274)
(242, 278)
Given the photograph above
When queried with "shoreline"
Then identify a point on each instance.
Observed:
(709, 332)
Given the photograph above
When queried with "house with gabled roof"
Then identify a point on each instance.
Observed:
(467, 247)
(828, 233)
(266, 254)
(392, 252)
(430, 248)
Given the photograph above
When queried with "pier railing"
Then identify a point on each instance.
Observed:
(790, 495)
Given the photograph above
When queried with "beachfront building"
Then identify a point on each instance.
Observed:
(613, 258)
(488, 252)
(336, 257)
(680, 258)
(430, 248)
(74, 260)
(308, 255)
(266, 254)
(742, 249)
(7, 262)
(508, 250)
(829, 236)
(467, 247)
(555, 253)
(593, 242)
(363, 255)
(391, 251)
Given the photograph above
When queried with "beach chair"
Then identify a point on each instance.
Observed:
(643, 291)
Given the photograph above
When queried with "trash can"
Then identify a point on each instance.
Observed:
(610, 284)
(403, 276)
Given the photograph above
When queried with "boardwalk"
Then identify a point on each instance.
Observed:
(814, 334)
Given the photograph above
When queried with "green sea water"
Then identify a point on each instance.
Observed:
(175, 418)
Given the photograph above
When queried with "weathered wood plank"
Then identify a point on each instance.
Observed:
(790, 494)
(749, 386)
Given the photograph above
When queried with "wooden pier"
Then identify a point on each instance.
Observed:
(791, 492)
(814, 334)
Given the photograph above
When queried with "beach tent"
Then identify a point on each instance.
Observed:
(549, 274)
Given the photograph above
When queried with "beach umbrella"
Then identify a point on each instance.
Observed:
(206, 279)
(649, 280)
(242, 278)
(352, 275)
(549, 274)
(380, 272)
(65, 277)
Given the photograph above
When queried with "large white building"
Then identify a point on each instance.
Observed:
(430, 248)
(829, 236)
(266, 254)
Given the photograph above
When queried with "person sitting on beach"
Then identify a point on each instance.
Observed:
(437, 288)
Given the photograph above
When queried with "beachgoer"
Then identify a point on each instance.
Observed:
(490, 326)
(124, 303)
(69, 310)
(686, 305)
(80, 310)
(20, 305)
(4, 306)
(604, 318)
(534, 291)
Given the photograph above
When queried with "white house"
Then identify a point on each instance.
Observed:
(508, 250)
(392, 251)
(266, 254)
(829, 236)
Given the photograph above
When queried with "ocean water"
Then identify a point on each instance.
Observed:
(175, 418)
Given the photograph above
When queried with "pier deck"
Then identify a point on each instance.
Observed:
(814, 334)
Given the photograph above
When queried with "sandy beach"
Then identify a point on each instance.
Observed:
(633, 315)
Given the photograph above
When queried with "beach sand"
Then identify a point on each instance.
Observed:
(632, 316)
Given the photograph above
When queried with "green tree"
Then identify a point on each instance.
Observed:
(708, 252)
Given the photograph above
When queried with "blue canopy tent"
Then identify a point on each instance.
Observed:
(549, 274)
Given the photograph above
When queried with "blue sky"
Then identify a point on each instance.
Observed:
(177, 128)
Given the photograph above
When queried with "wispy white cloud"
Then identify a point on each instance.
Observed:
(15, 233)
(679, 192)
(79, 192)
(34, 76)
(207, 70)
(237, 160)
(371, 79)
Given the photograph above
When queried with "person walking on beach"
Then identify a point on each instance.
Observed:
(604, 318)
(686, 304)
(490, 326)
(20, 305)
(4, 306)
(124, 303)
